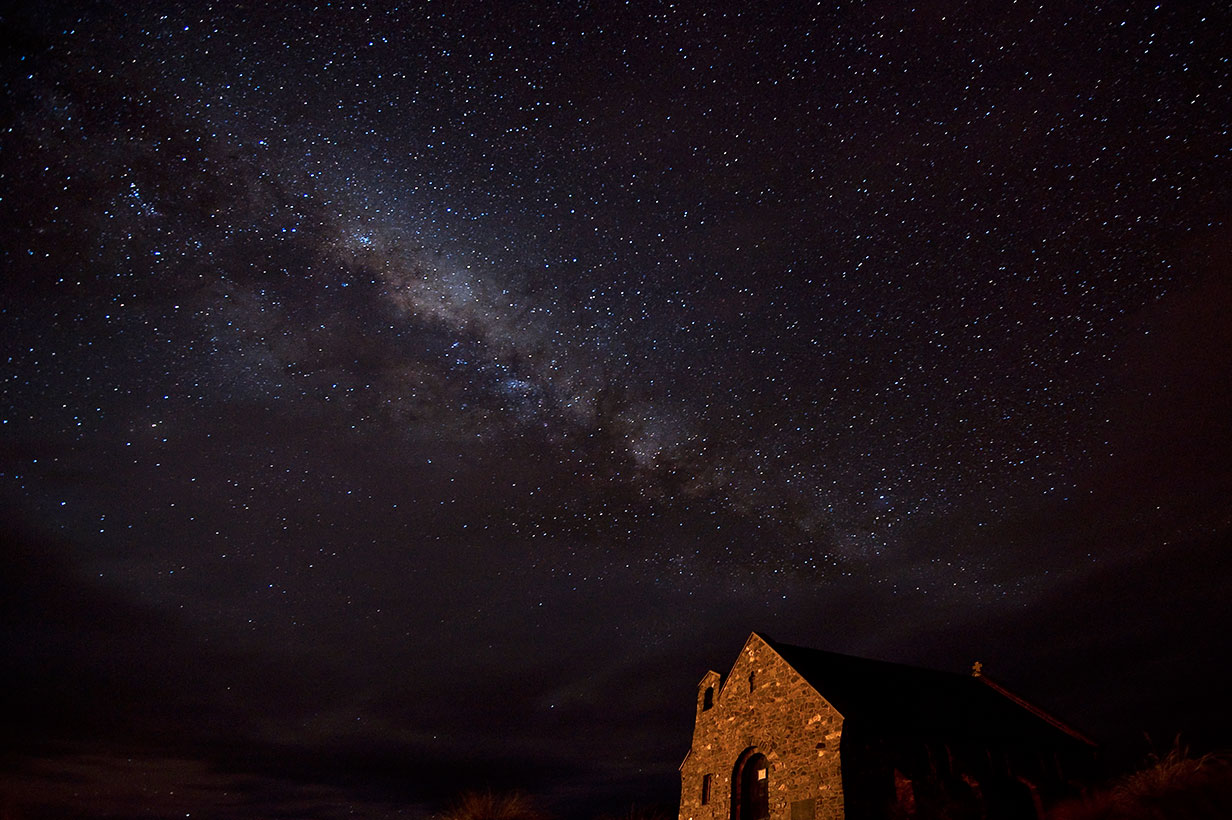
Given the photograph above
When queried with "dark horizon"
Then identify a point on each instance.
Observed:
(400, 400)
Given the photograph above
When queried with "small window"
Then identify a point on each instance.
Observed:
(705, 789)
(708, 698)
(752, 680)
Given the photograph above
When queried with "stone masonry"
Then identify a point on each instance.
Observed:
(767, 707)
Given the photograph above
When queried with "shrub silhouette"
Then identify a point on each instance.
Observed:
(1174, 787)
(491, 806)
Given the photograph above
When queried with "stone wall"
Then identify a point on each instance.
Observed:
(777, 713)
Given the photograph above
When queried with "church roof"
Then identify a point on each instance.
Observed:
(910, 700)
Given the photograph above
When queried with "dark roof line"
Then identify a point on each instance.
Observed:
(916, 698)
(1035, 710)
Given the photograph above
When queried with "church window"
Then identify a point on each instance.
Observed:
(705, 789)
(708, 698)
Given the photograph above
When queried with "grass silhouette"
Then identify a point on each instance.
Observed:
(494, 806)
(1173, 787)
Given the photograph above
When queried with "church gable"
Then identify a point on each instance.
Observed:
(765, 745)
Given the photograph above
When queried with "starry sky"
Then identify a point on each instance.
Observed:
(405, 398)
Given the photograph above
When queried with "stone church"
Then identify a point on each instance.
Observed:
(801, 734)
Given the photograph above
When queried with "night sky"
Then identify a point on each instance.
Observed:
(405, 399)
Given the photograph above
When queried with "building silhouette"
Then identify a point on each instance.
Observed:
(801, 734)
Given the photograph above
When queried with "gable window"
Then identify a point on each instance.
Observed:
(708, 698)
(706, 789)
(752, 680)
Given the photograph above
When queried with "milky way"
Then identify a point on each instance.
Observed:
(556, 348)
(272, 279)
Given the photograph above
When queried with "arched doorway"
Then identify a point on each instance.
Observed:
(751, 787)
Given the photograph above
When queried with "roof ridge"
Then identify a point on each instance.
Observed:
(776, 645)
(888, 691)
(1035, 710)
